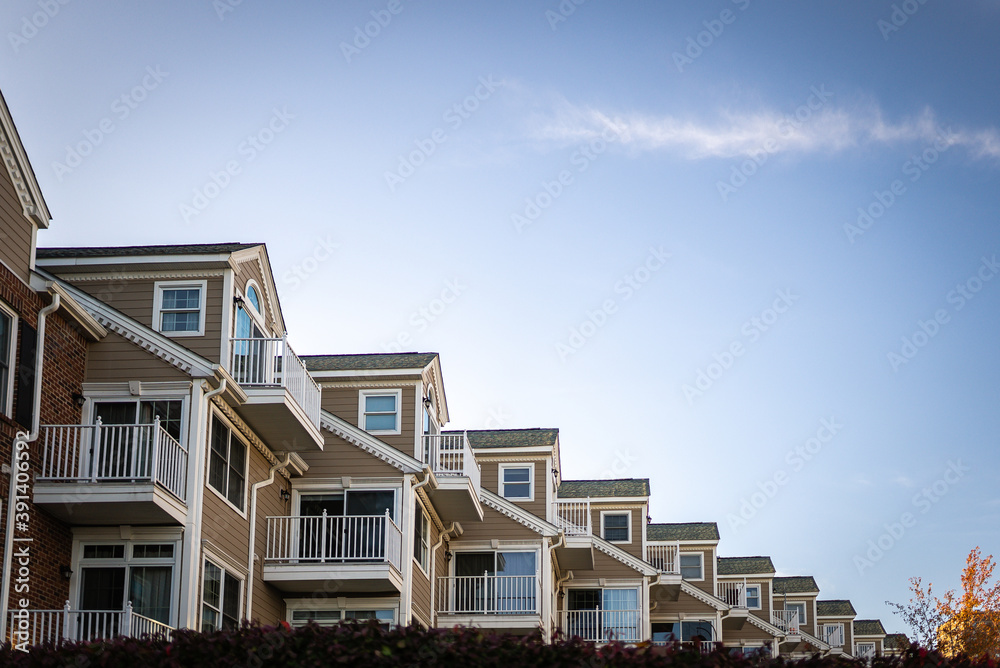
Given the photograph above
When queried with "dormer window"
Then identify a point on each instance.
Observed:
(379, 411)
(179, 308)
(692, 565)
(615, 527)
(517, 482)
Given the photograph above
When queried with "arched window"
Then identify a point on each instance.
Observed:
(253, 298)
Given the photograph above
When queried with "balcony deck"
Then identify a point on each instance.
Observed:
(459, 477)
(506, 603)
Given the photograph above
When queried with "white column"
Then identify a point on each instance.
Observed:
(189, 566)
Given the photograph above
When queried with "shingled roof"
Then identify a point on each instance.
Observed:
(512, 438)
(684, 531)
(799, 584)
(581, 489)
(868, 627)
(839, 608)
(896, 641)
(742, 565)
(123, 251)
(368, 362)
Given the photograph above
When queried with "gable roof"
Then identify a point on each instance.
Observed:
(581, 489)
(741, 565)
(868, 627)
(128, 251)
(838, 608)
(896, 641)
(19, 168)
(512, 438)
(799, 584)
(367, 361)
(683, 531)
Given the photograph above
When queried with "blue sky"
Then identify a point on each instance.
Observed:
(691, 235)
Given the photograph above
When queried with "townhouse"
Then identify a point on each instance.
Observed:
(174, 463)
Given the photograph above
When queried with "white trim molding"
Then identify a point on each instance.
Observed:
(159, 287)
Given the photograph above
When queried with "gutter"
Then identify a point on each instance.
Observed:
(19, 451)
(253, 526)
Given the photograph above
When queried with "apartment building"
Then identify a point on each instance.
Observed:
(174, 463)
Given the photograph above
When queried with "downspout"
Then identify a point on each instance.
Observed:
(659, 576)
(21, 442)
(553, 602)
(455, 526)
(253, 525)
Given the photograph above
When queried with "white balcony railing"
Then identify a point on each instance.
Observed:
(451, 455)
(734, 593)
(35, 627)
(488, 595)
(663, 557)
(604, 625)
(272, 362)
(333, 539)
(786, 620)
(832, 635)
(573, 517)
(865, 650)
(100, 453)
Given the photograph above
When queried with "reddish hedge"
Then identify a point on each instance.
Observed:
(368, 645)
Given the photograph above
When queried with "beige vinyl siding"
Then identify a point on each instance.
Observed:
(749, 633)
(421, 588)
(134, 298)
(343, 402)
(607, 567)
(709, 569)
(340, 458)
(638, 521)
(667, 608)
(490, 476)
(15, 248)
(495, 525)
(114, 358)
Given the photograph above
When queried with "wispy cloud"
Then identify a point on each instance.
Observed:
(731, 134)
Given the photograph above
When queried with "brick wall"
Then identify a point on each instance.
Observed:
(62, 376)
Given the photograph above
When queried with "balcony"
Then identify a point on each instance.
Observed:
(456, 497)
(362, 552)
(283, 400)
(508, 603)
(664, 557)
(832, 635)
(603, 626)
(787, 621)
(37, 627)
(112, 474)
(574, 518)
(734, 593)
(865, 651)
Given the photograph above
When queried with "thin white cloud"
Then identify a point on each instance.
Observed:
(734, 134)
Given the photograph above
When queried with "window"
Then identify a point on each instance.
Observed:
(798, 606)
(421, 537)
(385, 617)
(253, 298)
(227, 464)
(602, 615)
(113, 573)
(615, 527)
(692, 566)
(380, 412)
(6, 359)
(686, 631)
(517, 481)
(347, 525)
(494, 583)
(864, 650)
(220, 599)
(753, 596)
(179, 308)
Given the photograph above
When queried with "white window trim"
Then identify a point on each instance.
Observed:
(8, 407)
(760, 603)
(233, 432)
(627, 513)
(531, 481)
(249, 305)
(398, 393)
(222, 592)
(805, 607)
(160, 286)
(701, 557)
(342, 605)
